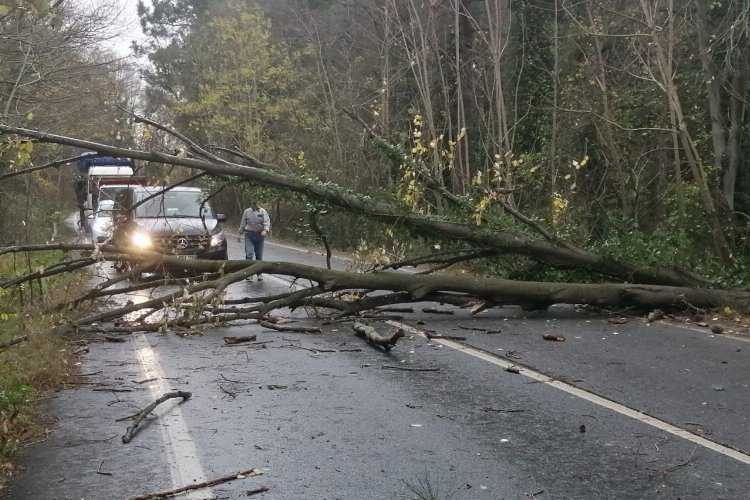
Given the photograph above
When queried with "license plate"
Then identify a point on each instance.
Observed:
(186, 257)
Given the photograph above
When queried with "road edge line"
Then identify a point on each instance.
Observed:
(584, 394)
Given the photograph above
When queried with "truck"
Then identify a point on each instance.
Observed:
(100, 177)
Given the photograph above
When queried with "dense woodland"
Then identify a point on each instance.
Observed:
(619, 126)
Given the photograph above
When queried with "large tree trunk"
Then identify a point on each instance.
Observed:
(530, 294)
(503, 241)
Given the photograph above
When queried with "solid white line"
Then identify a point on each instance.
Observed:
(182, 455)
(586, 395)
(705, 331)
(572, 390)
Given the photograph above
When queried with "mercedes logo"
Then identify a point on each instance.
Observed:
(182, 243)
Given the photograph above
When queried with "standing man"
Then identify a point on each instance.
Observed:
(255, 224)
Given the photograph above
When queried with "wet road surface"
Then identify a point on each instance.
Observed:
(326, 416)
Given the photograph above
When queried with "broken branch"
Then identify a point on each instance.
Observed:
(133, 429)
(376, 339)
(198, 486)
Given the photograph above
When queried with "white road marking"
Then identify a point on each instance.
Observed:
(572, 390)
(294, 248)
(182, 455)
(583, 394)
(706, 331)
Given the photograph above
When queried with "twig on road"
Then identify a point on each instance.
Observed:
(482, 330)
(198, 486)
(145, 381)
(444, 337)
(100, 471)
(553, 338)
(262, 489)
(240, 340)
(229, 393)
(13, 342)
(409, 368)
(289, 328)
(133, 429)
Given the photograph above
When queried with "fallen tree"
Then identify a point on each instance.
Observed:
(501, 241)
(199, 300)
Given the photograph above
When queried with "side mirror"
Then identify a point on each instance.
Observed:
(221, 217)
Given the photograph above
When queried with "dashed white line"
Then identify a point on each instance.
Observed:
(185, 467)
(585, 395)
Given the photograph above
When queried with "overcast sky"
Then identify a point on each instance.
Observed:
(129, 27)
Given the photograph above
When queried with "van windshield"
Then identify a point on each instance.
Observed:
(172, 204)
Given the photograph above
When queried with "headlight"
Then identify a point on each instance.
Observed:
(217, 239)
(141, 240)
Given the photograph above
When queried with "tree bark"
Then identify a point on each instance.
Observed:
(494, 291)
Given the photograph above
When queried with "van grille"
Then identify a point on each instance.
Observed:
(183, 243)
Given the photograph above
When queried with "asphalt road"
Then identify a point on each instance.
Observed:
(615, 411)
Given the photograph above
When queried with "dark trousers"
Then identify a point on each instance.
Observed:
(254, 245)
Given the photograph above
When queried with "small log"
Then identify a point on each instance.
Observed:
(240, 340)
(205, 484)
(553, 338)
(13, 342)
(374, 338)
(133, 429)
(289, 328)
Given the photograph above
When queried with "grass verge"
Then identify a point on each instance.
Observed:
(33, 367)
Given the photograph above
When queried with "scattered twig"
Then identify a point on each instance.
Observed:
(229, 393)
(409, 368)
(13, 342)
(144, 381)
(100, 472)
(445, 337)
(262, 489)
(111, 389)
(553, 338)
(131, 431)
(477, 329)
(502, 410)
(198, 486)
(240, 340)
(289, 328)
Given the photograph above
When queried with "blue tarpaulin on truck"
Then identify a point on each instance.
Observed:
(96, 160)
